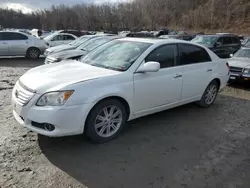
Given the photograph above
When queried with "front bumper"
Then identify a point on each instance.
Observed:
(239, 77)
(50, 60)
(67, 120)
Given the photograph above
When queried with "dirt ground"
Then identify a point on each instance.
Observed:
(186, 147)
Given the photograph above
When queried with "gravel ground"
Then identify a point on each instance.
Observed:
(185, 147)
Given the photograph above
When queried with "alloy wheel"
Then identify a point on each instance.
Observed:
(108, 121)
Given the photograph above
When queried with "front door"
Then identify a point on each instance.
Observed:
(18, 44)
(160, 88)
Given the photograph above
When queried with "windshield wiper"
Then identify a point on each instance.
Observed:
(107, 67)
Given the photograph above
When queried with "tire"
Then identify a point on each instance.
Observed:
(33, 53)
(101, 128)
(209, 95)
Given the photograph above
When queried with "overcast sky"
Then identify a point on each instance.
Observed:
(28, 5)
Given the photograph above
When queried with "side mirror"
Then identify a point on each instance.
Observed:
(231, 55)
(151, 66)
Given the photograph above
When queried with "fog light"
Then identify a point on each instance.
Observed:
(49, 127)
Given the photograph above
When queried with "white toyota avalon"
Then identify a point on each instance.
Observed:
(120, 81)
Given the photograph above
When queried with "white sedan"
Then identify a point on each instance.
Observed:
(122, 80)
(56, 39)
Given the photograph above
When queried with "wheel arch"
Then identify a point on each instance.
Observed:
(116, 97)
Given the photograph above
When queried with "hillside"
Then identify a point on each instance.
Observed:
(231, 15)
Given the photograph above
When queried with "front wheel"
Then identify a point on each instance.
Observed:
(209, 95)
(105, 121)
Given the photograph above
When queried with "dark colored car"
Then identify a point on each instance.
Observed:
(180, 37)
(222, 45)
(76, 32)
(141, 34)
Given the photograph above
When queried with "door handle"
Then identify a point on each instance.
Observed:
(178, 76)
(5, 43)
(209, 70)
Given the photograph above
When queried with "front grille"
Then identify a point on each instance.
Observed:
(236, 70)
(23, 94)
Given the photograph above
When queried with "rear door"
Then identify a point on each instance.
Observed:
(4, 47)
(197, 70)
(17, 43)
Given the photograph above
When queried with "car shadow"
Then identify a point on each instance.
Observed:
(240, 85)
(149, 153)
(20, 62)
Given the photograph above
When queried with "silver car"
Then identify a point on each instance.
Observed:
(73, 45)
(240, 65)
(81, 50)
(14, 43)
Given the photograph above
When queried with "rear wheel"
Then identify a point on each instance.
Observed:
(209, 95)
(33, 53)
(105, 121)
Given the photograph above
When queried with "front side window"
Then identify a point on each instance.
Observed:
(165, 55)
(116, 55)
(190, 54)
(57, 38)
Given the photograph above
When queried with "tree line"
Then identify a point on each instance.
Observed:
(136, 15)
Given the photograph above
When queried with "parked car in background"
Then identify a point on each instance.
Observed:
(80, 51)
(122, 80)
(142, 34)
(72, 45)
(13, 43)
(77, 33)
(246, 42)
(240, 65)
(223, 44)
(180, 37)
(56, 39)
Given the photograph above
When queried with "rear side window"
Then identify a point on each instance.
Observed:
(68, 37)
(165, 55)
(236, 40)
(190, 54)
(13, 36)
(227, 40)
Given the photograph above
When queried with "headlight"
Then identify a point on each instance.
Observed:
(246, 71)
(57, 98)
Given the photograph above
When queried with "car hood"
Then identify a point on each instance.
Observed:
(53, 77)
(61, 48)
(239, 62)
(68, 54)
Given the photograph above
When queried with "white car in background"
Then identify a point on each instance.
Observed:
(56, 39)
(122, 80)
(13, 43)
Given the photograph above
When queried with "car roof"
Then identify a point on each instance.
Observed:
(156, 40)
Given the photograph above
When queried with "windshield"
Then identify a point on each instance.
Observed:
(210, 40)
(244, 53)
(79, 41)
(116, 55)
(92, 44)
